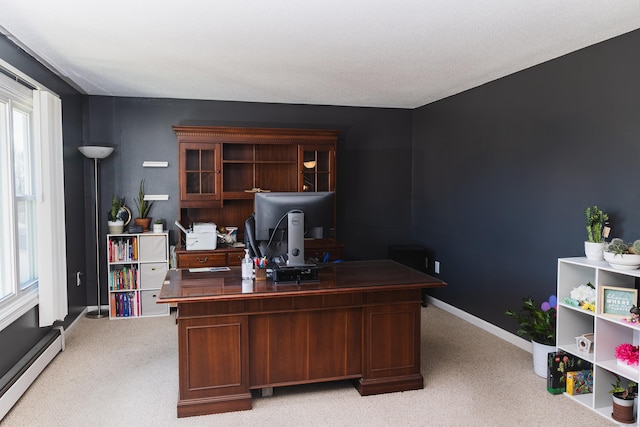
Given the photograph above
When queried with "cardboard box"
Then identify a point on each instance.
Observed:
(559, 363)
(580, 382)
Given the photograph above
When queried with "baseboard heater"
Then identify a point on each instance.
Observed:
(15, 382)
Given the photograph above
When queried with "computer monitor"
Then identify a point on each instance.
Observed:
(292, 217)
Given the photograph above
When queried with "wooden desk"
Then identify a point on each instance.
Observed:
(360, 322)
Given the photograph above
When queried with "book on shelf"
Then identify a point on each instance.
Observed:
(125, 304)
(122, 249)
(124, 278)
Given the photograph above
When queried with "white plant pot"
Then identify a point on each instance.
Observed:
(158, 228)
(115, 227)
(623, 261)
(594, 251)
(541, 358)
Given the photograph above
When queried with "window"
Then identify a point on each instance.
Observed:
(26, 159)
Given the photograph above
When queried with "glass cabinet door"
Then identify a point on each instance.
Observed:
(317, 169)
(200, 172)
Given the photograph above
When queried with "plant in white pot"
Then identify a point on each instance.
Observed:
(596, 233)
(623, 256)
(115, 222)
(538, 324)
(158, 226)
(623, 400)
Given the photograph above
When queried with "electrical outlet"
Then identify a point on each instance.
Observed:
(436, 267)
(78, 280)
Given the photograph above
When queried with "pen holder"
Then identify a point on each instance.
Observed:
(261, 273)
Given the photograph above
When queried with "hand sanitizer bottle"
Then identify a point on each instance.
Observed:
(247, 266)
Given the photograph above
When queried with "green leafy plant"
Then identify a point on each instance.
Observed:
(117, 203)
(595, 220)
(536, 323)
(144, 206)
(628, 392)
(159, 221)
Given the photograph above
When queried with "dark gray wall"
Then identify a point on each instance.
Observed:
(503, 173)
(373, 159)
(18, 338)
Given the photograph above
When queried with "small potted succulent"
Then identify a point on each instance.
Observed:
(623, 400)
(623, 256)
(596, 233)
(115, 220)
(158, 226)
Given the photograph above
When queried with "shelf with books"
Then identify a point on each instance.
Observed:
(137, 265)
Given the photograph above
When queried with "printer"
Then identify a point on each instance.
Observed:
(202, 237)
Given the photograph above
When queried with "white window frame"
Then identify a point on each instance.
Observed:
(50, 288)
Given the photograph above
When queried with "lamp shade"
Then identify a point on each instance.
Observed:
(95, 151)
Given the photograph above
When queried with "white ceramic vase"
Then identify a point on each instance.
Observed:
(541, 357)
(158, 228)
(594, 251)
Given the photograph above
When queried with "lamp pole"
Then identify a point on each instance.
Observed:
(96, 153)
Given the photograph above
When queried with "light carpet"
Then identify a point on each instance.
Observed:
(124, 373)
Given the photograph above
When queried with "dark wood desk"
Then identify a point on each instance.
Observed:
(361, 321)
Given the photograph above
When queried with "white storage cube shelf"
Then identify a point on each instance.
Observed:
(137, 265)
(608, 331)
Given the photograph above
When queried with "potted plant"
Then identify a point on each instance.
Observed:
(596, 233)
(115, 221)
(158, 226)
(144, 206)
(623, 400)
(621, 255)
(538, 325)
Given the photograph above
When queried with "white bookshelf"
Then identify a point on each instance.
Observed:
(608, 331)
(137, 265)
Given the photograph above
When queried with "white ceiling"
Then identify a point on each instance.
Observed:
(374, 53)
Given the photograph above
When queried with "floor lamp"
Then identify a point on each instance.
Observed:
(96, 153)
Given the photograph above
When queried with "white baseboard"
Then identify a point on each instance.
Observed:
(28, 377)
(482, 324)
(16, 391)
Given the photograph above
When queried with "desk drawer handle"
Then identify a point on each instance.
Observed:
(202, 261)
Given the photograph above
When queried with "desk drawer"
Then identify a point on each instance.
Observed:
(186, 260)
(235, 258)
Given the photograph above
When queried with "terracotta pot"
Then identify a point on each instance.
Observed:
(622, 410)
(144, 222)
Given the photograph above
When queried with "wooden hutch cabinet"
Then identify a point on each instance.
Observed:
(221, 168)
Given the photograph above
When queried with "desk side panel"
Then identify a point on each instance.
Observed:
(207, 374)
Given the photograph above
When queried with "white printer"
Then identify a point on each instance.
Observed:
(204, 236)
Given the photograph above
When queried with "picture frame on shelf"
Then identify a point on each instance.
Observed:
(617, 301)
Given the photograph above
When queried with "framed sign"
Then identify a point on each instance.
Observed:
(616, 302)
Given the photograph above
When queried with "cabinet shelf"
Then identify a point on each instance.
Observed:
(608, 331)
(218, 163)
(259, 162)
